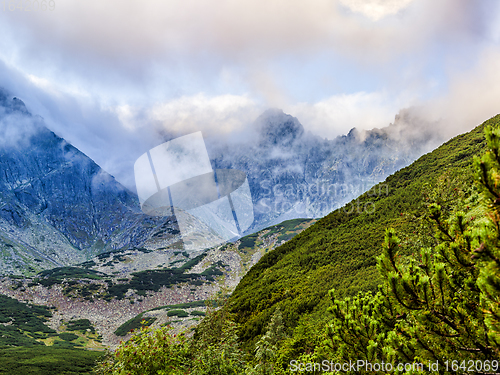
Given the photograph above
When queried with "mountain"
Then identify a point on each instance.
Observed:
(58, 207)
(339, 250)
(293, 173)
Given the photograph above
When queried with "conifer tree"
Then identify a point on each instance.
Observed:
(449, 295)
(266, 349)
(438, 298)
(215, 345)
(441, 305)
(488, 235)
(358, 327)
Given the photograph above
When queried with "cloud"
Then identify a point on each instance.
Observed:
(376, 9)
(494, 31)
(183, 47)
(116, 78)
(80, 119)
(114, 136)
(340, 113)
(472, 96)
(216, 115)
(16, 129)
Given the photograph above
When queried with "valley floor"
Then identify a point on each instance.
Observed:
(105, 316)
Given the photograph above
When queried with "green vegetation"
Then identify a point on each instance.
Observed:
(197, 313)
(213, 270)
(339, 251)
(88, 264)
(286, 226)
(47, 360)
(178, 313)
(133, 324)
(84, 289)
(176, 261)
(285, 237)
(154, 280)
(174, 310)
(213, 349)
(285, 230)
(417, 280)
(23, 324)
(22, 350)
(81, 325)
(185, 305)
(143, 250)
(433, 297)
(438, 306)
(67, 336)
(148, 352)
(248, 241)
(193, 262)
(142, 282)
(109, 254)
(53, 276)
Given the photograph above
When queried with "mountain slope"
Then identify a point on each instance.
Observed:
(57, 207)
(339, 250)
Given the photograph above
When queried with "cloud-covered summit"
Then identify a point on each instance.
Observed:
(116, 79)
(276, 128)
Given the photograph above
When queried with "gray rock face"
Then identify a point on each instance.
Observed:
(293, 173)
(57, 207)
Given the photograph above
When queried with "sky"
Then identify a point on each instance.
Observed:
(113, 77)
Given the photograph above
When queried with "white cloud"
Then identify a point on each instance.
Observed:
(16, 130)
(111, 76)
(473, 96)
(221, 115)
(181, 47)
(339, 114)
(376, 9)
(495, 25)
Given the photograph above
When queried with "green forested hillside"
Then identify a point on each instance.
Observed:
(409, 284)
(340, 250)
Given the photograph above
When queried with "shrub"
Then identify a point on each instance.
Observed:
(178, 313)
(67, 336)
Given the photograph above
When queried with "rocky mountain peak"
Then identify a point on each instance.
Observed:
(12, 104)
(58, 207)
(276, 128)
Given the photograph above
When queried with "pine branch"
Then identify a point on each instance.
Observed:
(485, 182)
